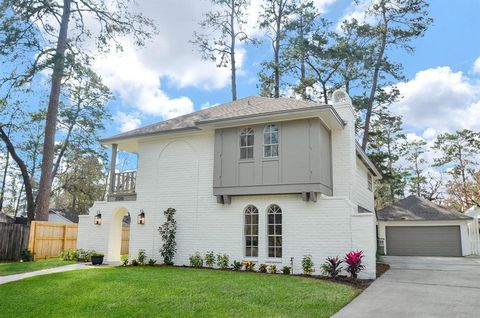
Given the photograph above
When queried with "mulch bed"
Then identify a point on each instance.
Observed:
(382, 268)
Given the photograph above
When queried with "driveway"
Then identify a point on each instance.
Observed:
(421, 287)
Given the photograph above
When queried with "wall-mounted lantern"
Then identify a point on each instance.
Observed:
(141, 217)
(98, 218)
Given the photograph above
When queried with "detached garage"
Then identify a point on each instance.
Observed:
(418, 227)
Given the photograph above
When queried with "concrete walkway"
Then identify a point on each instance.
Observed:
(66, 268)
(421, 287)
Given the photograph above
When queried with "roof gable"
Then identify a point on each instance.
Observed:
(413, 208)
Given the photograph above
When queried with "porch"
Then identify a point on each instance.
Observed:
(121, 184)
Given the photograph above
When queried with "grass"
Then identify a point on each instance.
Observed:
(171, 292)
(24, 267)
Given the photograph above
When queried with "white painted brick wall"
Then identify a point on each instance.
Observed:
(177, 171)
(363, 196)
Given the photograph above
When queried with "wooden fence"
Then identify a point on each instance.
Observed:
(48, 239)
(13, 239)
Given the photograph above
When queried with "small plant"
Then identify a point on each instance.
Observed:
(84, 255)
(272, 269)
(151, 262)
(262, 268)
(249, 266)
(141, 257)
(286, 270)
(26, 256)
(210, 259)
(236, 266)
(222, 261)
(134, 262)
(307, 265)
(68, 255)
(196, 260)
(124, 259)
(353, 260)
(332, 267)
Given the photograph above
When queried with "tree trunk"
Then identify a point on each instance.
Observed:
(232, 52)
(4, 180)
(25, 176)
(373, 89)
(48, 152)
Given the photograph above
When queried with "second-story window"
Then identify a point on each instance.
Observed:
(369, 182)
(246, 143)
(270, 141)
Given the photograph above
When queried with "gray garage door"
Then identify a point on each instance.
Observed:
(423, 240)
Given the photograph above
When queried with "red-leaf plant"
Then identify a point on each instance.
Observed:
(353, 260)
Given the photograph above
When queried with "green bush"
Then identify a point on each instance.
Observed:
(68, 255)
(98, 255)
(210, 259)
(134, 262)
(84, 255)
(307, 264)
(26, 256)
(286, 270)
(222, 261)
(151, 262)
(236, 266)
(262, 268)
(272, 269)
(124, 259)
(141, 257)
(196, 260)
(249, 266)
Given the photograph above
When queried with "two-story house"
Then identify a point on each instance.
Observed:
(261, 179)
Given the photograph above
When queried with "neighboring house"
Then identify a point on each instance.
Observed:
(6, 219)
(261, 179)
(57, 217)
(418, 227)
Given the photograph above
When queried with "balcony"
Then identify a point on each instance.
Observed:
(122, 186)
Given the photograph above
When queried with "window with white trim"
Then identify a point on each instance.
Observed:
(270, 141)
(369, 181)
(246, 143)
(274, 221)
(251, 231)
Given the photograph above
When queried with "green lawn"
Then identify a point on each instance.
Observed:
(18, 267)
(171, 292)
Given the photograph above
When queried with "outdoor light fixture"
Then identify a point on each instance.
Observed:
(141, 217)
(98, 218)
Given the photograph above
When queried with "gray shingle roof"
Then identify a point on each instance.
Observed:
(249, 106)
(413, 208)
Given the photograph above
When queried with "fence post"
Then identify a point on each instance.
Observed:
(31, 238)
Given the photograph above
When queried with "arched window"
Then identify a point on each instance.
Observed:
(251, 231)
(274, 215)
(246, 143)
(270, 141)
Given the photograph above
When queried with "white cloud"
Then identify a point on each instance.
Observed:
(208, 105)
(438, 100)
(127, 121)
(476, 65)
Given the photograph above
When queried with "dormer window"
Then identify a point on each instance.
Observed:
(270, 141)
(246, 143)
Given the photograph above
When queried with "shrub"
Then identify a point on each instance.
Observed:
(272, 269)
(286, 270)
(196, 260)
(26, 256)
(210, 259)
(68, 255)
(307, 265)
(98, 255)
(236, 266)
(262, 268)
(134, 262)
(141, 257)
(151, 262)
(249, 266)
(331, 267)
(222, 261)
(168, 231)
(353, 260)
(84, 255)
(124, 259)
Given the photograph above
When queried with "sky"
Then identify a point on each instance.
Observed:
(167, 77)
